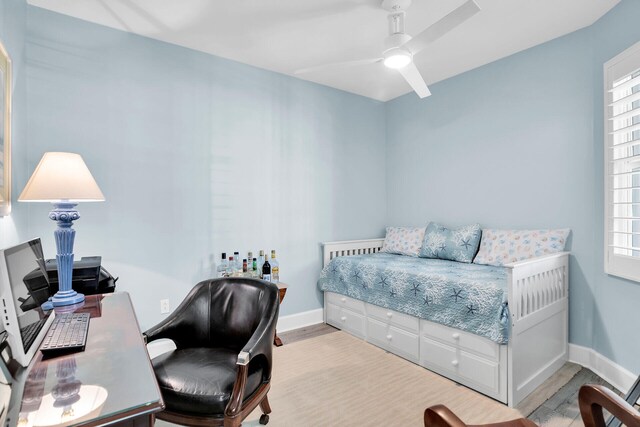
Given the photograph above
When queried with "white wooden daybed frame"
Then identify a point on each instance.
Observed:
(538, 342)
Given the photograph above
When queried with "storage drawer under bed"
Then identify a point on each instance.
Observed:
(343, 301)
(394, 318)
(464, 357)
(398, 341)
(345, 313)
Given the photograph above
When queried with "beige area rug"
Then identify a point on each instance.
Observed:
(339, 380)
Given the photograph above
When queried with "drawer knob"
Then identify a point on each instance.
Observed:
(456, 336)
(389, 314)
(389, 337)
(454, 362)
(343, 299)
(343, 318)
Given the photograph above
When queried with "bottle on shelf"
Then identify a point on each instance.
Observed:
(249, 258)
(254, 268)
(266, 270)
(275, 267)
(238, 264)
(245, 269)
(260, 262)
(223, 267)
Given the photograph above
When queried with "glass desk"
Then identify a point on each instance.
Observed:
(112, 381)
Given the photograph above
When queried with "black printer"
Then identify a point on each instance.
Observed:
(88, 278)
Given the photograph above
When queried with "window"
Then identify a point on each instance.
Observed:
(622, 164)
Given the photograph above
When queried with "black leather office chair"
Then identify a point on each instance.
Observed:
(221, 369)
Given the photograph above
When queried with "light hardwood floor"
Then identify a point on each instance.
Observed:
(560, 409)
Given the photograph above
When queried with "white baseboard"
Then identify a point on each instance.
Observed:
(300, 320)
(608, 370)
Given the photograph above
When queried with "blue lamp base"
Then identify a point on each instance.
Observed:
(64, 213)
(67, 298)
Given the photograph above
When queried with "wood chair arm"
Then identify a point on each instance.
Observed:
(235, 401)
(441, 416)
(593, 398)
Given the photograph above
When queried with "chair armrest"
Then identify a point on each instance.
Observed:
(262, 338)
(167, 327)
(441, 416)
(593, 398)
(181, 326)
(244, 358)
(161, 330)
(260, 343)
(235, 401)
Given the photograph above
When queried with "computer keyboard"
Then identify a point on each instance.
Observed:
(30, 332)
(67, 334)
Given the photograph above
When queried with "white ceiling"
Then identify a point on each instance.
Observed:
(285, 35)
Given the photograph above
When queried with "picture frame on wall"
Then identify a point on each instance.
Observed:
(5, 132)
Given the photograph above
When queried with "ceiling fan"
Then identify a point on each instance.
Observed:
(400, 47)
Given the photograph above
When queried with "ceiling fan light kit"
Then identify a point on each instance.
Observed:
(400, 47)
(397, 58)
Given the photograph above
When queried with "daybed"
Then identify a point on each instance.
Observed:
(520, 340)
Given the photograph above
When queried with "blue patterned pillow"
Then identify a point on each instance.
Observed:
(460, 244)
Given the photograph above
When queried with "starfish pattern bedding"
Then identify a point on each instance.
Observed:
(468, 297)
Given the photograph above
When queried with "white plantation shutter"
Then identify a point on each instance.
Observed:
(622, 164)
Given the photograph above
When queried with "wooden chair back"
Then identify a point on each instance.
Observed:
(594, 398)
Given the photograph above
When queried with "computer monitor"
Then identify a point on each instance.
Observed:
(23, 318)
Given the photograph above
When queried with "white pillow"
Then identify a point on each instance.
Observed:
(499, 247)
(403, 240)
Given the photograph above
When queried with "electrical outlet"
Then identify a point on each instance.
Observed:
(164, 306)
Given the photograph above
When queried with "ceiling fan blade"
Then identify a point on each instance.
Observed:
(442, 27)
(338, 65)
(413, 77)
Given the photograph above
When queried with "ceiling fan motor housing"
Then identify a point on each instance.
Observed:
(395, 41)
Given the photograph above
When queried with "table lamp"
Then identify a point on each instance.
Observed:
(64, 180)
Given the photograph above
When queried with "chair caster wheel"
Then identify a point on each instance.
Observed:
(264, 419)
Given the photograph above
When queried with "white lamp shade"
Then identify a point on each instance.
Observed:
(61, 177)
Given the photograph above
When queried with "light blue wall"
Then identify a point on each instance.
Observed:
(177, 140)
(616, 317)
(508, 145)
(13, 14)
(197, 155)
(519, 143)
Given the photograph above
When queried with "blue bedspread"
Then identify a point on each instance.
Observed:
(469, 297)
